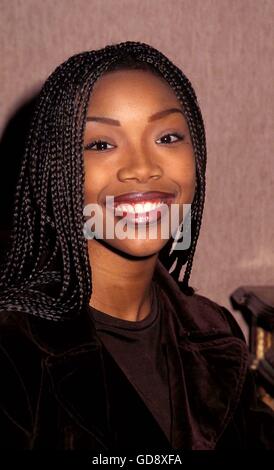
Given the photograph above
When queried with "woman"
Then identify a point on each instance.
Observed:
(103, 345)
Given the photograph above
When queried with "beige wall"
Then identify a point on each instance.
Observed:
(226, 49)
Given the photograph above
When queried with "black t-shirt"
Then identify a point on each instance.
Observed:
(140, 350)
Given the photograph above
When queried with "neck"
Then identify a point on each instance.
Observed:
(121, 287)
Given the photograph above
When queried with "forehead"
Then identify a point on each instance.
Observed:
(131, 86)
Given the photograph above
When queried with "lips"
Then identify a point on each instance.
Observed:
(142, 207)
(143, 197)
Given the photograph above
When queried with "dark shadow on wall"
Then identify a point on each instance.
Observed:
(12, 146)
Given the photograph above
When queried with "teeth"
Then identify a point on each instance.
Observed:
(124, 208)
(147, 207)
(139, 207)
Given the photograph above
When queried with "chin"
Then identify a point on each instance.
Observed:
(137, 248)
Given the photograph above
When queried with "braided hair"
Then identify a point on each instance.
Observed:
(46, 271)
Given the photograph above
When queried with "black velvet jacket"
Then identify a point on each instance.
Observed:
(61, 389)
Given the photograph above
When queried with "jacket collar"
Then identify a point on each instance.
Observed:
(213, 365)
(212, 372)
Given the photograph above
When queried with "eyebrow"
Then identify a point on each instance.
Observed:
(154, 117)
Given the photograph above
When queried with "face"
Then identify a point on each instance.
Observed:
(142, 147)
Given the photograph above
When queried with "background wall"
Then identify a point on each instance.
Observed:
(225, 47)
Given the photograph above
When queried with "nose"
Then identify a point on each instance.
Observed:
(139, 167)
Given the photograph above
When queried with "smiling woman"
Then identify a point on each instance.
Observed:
(138, 149)
(123, 353)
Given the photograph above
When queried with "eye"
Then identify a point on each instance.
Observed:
(168, 138)
(100, 146)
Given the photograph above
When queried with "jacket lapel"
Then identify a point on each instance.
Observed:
(78, 382)
(212, 365)
(75, 368)
(212, 377)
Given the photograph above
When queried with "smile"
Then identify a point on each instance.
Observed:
(142, 212)
(138, 208)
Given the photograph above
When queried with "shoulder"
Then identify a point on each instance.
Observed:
(14, 332)
(19, 351)
(20, 372)
(209, 314)
(196, 312)
(38, 338)
(23, 352)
